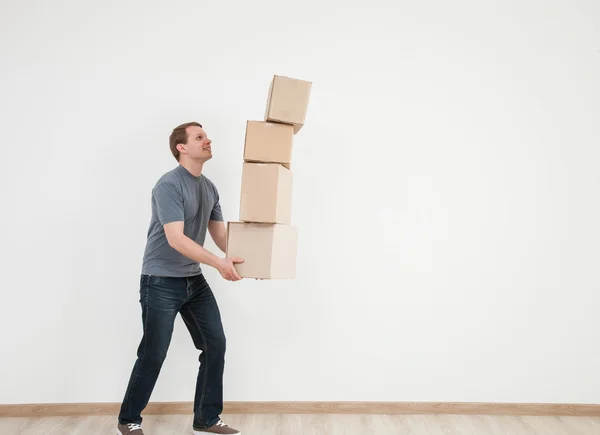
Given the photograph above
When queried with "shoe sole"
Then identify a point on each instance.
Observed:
(200, 432)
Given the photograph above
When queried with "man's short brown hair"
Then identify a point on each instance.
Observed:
(179, 135)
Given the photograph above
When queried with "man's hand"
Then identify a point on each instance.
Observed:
(186, 246)
(227, 269)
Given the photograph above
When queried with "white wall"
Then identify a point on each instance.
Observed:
(446, 190)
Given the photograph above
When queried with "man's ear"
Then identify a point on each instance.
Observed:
(181, 148)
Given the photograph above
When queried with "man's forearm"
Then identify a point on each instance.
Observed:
(192, 250)
(221, 242)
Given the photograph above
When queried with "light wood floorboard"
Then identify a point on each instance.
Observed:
(317, 424)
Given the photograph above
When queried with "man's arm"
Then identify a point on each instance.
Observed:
(187, 247)
(218, 232)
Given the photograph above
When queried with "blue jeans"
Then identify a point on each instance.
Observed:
(161, 299)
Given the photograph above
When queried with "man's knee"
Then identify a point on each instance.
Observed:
(153, 359)
(218, 344)
(153, 351)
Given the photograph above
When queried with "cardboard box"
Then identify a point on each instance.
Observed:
(288, 101)
(269, 251)
(268, 142)
(266, 194)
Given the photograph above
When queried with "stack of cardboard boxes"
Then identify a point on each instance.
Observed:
(265, 237)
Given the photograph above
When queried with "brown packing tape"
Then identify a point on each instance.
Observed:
(285, 165)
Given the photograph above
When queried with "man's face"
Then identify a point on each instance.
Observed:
(198, 146)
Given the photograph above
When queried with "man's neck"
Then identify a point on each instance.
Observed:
(194, 168)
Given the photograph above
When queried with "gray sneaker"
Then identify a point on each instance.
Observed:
(129, 429)
(219, 427)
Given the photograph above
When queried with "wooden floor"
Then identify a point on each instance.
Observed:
(313, 424)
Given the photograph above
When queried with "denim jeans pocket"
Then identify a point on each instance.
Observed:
(143, 287)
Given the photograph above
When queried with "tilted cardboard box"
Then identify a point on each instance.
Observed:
(269, 251)
(268, 142)
(266, 194)
(287, 101)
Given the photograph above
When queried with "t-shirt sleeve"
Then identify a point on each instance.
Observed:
(169, 203)
(216, 214)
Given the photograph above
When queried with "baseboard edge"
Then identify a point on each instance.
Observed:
(466, 408)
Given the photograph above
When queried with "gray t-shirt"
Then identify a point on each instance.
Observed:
(179, 196)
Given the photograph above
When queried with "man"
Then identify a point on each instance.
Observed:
(184, 205)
